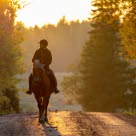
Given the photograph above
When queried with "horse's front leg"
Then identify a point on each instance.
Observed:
(40, 106)
(45, 106)
(41, 112)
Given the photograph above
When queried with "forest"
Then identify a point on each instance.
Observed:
(104, 78)
(64, 40)
(99, 53)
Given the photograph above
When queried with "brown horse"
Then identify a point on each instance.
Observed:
(42, 89)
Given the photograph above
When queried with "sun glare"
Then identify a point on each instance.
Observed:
(40, 12)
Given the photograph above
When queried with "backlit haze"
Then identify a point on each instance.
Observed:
(40, 12)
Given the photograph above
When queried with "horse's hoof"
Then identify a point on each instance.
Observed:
(46, 119)
(41, 121)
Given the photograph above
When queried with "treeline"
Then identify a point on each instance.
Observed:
(10, 56)
(65, 42)
(104, 78)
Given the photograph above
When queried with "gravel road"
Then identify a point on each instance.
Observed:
(65, 123)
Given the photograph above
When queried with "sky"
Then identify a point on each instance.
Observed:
(40, 12)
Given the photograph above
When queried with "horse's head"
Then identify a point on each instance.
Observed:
(40, 79)
(37, 70)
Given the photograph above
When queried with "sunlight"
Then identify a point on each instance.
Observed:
(41, 12)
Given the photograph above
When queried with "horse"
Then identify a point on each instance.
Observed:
(42, 89)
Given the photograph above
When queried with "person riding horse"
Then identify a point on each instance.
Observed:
(43, 54)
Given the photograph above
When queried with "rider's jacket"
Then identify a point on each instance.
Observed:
(44, 55)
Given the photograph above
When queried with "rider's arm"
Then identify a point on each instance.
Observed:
(36, 56)
(48, 59)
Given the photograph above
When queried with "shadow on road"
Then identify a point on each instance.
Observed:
(50, 130)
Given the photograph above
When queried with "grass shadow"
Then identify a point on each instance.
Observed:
(130, 119)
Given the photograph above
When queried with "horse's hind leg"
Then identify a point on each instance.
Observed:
(45, 106)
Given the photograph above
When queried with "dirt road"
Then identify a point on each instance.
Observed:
(68, 124)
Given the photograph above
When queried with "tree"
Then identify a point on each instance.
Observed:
(10, 55)
(128, 30)
(103, 78)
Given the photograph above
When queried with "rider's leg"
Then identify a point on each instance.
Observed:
(30, 84)
(54, 80)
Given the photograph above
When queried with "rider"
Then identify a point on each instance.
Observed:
(43, 54)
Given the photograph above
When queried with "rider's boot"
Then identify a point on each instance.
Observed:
(29, 92)
(56, 91)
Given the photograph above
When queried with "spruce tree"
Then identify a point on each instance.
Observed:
(128, 30)
(128, 35)
(104, 76)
